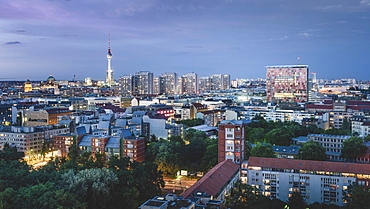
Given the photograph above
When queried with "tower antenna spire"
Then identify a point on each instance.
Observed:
(109, 39)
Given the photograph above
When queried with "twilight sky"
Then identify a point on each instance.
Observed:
(237, 37)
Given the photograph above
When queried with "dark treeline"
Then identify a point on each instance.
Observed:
(79, 181)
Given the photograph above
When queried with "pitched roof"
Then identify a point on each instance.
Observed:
(213, 181)
(339, 167)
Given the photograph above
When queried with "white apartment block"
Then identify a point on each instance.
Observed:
(27, 140)
(331, 143)
(279, 115)
(317, 181)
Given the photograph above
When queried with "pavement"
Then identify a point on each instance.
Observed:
(177, 186)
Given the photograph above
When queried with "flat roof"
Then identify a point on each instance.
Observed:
(288, 66)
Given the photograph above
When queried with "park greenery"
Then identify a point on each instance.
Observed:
(261, 133)
(79, 181)
(191, 122)
(194, 152)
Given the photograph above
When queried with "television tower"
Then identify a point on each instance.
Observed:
(109, 78)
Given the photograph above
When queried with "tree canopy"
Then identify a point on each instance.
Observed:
(353, 147)
(261, 150)
(312, 150)
(82, 181)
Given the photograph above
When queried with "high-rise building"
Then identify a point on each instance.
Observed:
(204, 84)
(126, 83)
(169, 83)
(287, 83)
(143, 83)
(219, 82)
(156, 84)
(189, 83)
(231, 134)
(109, 80)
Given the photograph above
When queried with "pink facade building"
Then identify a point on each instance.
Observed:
(287, 83)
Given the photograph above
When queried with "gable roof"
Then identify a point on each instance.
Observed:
(310, 165)
(213, 181)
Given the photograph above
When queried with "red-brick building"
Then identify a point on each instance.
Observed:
(231, 139)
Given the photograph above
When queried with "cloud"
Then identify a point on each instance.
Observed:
(365, 2)
(342, 21)
(305, 34)
(331, 7)
(284, 38)
(12, 43)
(194, 47)
(19, 31)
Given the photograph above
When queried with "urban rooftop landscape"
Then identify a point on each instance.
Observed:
(197, 104)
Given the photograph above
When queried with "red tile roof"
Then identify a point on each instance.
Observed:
(213, 181)
(367, 103)
(310, 165)
(312, 106)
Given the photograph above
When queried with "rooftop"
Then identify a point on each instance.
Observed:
(310, 165)
(213, 181)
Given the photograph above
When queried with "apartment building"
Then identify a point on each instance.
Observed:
(332, 143)
(231, 138)
(317, 181)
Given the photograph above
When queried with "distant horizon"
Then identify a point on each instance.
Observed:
(240, 38)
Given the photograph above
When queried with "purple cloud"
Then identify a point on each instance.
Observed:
(12, 43)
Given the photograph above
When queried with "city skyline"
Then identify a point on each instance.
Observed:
(240, 38)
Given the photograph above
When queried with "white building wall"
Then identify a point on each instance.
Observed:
(157, 127)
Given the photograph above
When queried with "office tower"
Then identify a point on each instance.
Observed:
(143, 83)
(314, 79)
(156, 84)
(219, 82)
(169, 84)
(109, 77)
(126, 83)
(231, 140)
(189, 83)
(204, 84)
(287, 83)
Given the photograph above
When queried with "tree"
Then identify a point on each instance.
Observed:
(255, 134)
(209, 159)
(245, 196)
(261, 150)
(346, 125)
(279, 136)
(93, 185)
(168, 156)
(14, 171)
(296, 201)
(10, 153)
(248, 149)
(353, 147)
(191, 122)
(41, 196)
(312, 150)
(356, 197)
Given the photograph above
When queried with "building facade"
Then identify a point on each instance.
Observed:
(169, 84)
(143, 83)
(189, 83)
(126, 84)
(231, 140)
(317, 181)
(287, 83)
